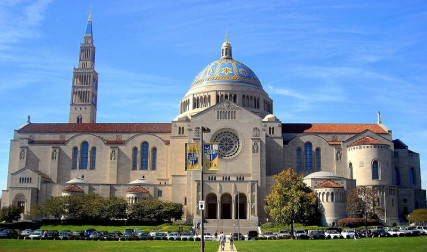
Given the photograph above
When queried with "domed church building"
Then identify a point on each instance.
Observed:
(147, 160)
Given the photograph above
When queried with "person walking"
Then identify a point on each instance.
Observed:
(222, 241)
(231, 241)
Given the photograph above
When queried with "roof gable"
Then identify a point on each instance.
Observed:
(366, 141)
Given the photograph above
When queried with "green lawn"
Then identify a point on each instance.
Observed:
(407, 244)
(104, 246)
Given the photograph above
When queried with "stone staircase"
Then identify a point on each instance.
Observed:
(228, 226)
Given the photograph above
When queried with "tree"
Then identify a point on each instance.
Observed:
(9, 214)
(364, 202)
(419, 216)
(291, 200)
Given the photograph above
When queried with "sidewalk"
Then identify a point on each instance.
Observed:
(227, 247)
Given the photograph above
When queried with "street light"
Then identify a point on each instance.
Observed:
(238, 215)
(203, 130)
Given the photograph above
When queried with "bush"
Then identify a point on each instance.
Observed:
(356, 222)
(419, 216)
(9, 214)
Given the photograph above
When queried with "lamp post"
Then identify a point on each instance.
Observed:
(202, 130)
(238, 215)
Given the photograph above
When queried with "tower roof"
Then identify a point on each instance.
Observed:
(89, 25)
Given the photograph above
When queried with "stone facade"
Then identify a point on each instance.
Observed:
(228, 98)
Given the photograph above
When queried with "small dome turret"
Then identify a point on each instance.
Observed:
(226, 49)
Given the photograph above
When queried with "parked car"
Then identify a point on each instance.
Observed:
(143, 235)
(153, 233)
(348, 233)
(364, 233)
(9, 233)
(52, 234)
(186, 236)
(238, 236)
(316, 234)
(423, 230)
(405, 231)
(268, 235)
(300, 234)
(78, 233)
(252, 234)
(395, 232)
(159, 235)
(25, 233)
(174, 236)
(414, 231)
(38, 234)
(379, 231)
(128, 234)
(115, 235)
(66, 235)
(89, 231)
(332, 234)
(97, 235)
(284, 233)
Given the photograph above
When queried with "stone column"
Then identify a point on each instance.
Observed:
(218, 212)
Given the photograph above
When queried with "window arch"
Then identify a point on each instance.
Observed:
(332, 197)
(375, 174)
(397, 175)
(318, 159)
(84, 155)
(299, 159)
(308, 156)
(93, 158)
(350, 170)
(144, 156)
(75, 155)
(153, 158)
(412, 176)
(134, 158)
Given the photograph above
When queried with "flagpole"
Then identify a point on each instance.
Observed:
(202, 240)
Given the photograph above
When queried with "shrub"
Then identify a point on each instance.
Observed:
(356, 222)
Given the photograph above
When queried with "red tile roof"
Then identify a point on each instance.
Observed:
(367, 140)
(137, 189)
(328, 184)
(97, 128)
(42, 174)
(72, 188)
(330, 128)
(115, 141)
(334, 143)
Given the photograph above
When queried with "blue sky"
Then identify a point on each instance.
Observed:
(320, 61)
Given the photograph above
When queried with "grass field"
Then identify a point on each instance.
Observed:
(410, 244)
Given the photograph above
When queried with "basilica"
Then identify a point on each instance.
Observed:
(140, 161)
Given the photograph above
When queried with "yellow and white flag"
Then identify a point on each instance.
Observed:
(192, 162)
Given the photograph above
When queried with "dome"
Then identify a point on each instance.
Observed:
(228, 70)
(322, 175)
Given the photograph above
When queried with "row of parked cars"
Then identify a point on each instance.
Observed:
(336, 233)
(131, 234)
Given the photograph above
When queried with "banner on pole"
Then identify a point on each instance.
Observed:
(210, 156)
(192, 157)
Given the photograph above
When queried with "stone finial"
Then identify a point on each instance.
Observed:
(379, 118)
(28, 119)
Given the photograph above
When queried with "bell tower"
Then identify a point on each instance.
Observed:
(84, 89)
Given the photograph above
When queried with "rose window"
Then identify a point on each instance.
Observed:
(228, 144)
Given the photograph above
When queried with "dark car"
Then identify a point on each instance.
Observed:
(316, 234)
(129, 234)
(238, 236)
(115, 235)
(52, 234)
(66, 235)
(78, 233)
(252, 234)
(143, 235)
(89, 231)
(97, 235)
(9, 233)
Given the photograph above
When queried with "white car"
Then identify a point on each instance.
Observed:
(174, 236)
(348, 233)
(395, 232)
(268, 235)
(332, 234)
(38, 234)
(300, 234)
(187, 236)
(423, 230)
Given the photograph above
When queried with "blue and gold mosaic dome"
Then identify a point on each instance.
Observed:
(228, 70)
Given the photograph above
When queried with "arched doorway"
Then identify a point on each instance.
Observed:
(20, 202)
(241, 205)
(226, 206)
(211, 203)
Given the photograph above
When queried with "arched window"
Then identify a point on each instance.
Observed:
(412, 176)
(308, 156)
(318, 159)
(134, 158)
(93, 158)
(350, 170)
(84, 155)
(375, 170)
(75, 155)
(397, 175)
(153, 158)
(299, 159)
(144, 156)
(332, 197)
